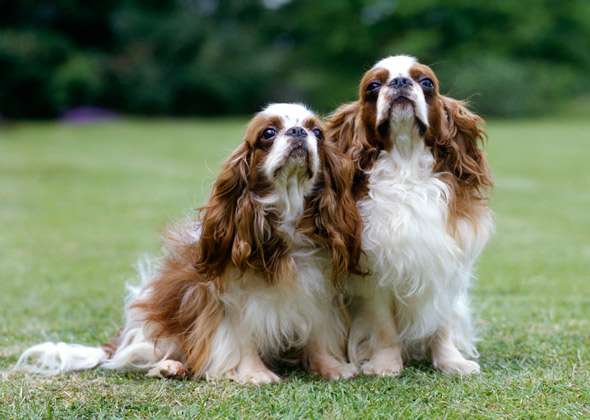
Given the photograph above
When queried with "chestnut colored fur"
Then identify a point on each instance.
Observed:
(183, 305)
(460, 160)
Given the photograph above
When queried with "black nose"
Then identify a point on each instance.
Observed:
(297, 132)
(400, 83)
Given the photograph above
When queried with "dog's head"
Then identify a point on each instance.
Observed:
(399, 100)
(283, 179)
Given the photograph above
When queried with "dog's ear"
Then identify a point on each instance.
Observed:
(218, 218)
(331, 216)
(347, 130)
(457, 145)
(234, 227)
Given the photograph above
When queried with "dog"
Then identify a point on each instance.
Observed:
(255, 276)
(421, 183)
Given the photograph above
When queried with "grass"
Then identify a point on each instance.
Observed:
(80, 204)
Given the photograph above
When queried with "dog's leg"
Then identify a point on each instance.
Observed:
(253, 370)
(446, 357)
(325, 355)
(322, 363)
(386, 357)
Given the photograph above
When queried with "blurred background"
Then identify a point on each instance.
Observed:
(219, 57)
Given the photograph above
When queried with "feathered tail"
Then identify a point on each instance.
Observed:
(128, 349)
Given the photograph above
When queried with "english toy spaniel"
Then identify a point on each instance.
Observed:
(421, 180)
(245, 282)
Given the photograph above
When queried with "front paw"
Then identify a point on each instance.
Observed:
(384, 363)
(376, 369)
(171, 369)
(338, 371)
(260, 377)
(461, 367)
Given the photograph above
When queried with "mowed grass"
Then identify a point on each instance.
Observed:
(80, 204)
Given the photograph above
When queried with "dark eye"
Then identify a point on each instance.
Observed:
(372, 87)
(427, 83)
(318, 134)
(268, 133)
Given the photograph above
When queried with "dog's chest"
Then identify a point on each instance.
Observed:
(405, 217)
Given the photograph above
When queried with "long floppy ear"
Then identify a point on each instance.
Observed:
(348, 131)
(331, 216)
(233, 226)
(218, 216)
(457, 148)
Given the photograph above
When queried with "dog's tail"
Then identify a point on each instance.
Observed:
(53, 358)
(125, 349)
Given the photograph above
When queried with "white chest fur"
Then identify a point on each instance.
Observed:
(276, 317)
(410, 251)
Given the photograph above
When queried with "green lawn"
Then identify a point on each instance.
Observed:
(79, 205)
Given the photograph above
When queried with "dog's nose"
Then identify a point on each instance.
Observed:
(400, 83)
(296, 132)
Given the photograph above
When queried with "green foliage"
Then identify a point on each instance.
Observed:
(231, 56)
(28, 61)
(80, 204)
(79, 80)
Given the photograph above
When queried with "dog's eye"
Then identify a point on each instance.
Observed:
(372, 87)
(318, 134)
(268, 133)
(427, 83)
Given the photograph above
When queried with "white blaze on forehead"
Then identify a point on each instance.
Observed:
(293, 115)
(400, 66)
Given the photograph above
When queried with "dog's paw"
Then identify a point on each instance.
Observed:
(260, 378)
(461, 367)
(376, 369)
(384, 363)
(338, 371)
(171, 369)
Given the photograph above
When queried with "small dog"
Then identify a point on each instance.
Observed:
(246, 281)
(420, 184)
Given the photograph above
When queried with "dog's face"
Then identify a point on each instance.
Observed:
(285, 141)
(398, 96)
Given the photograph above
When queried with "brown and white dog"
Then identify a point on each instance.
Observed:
(245, 281)
(420, 185)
